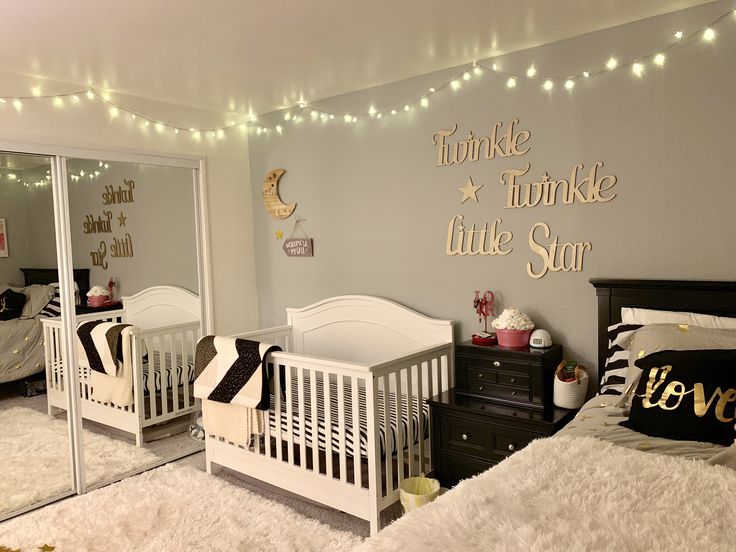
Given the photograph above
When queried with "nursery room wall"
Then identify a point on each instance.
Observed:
(90, 124)
(379, 203)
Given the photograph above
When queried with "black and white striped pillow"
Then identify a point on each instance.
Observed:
(53, 307)
(617, 359)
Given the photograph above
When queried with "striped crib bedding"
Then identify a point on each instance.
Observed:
(184, 370)
(309, 424)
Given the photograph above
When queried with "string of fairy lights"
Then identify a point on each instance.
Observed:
(15, 175)
(301, 111)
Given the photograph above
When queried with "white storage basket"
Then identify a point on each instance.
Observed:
(571, 394)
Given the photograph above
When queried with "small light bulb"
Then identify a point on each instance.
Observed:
(637, 69)
(197, 135)
(58, 102)
(379, 115)
(531, 72)
(324, 116)
(477, 70)
(586, 74)
(393, 112)
(220, 134)
(314, 115)
(432, 90)
(679, 35)
(259, 130)
(569, 84)
(371, 111)
(90, 95)
(18, 105)
(99, 164)
(511, 83)
(36, 91)
(612, 64)
(659, 59)
(332, 115)
(132, 116)
(75, 99)
(348, 118)
(279, 129)
(548, 85)
(12, 176)
(97, 173)
(424, 102)
(147, 123)
(106, 96)
(287, 116)
(355, 119)
(494, 67)
(709, 34)
(406, 108)
(455, 84)
(466, 76)
(114, 112)
(81, 173)
(107, 166)
(159, 127)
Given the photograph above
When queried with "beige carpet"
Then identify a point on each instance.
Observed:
(172, 508)
(35, 458)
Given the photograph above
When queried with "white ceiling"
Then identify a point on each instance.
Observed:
(248, 55)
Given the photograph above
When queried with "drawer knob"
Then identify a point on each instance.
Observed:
(513, 393)
(480, 374)
(512, 448)
(481, 387)
(496, 363)
(466, 436)
(513, 380)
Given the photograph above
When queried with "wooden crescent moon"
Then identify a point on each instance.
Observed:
(271, 199)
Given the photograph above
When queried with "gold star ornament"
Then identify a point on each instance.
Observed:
(47, 548)
(121, 220)
(279, 234)
(469, 191)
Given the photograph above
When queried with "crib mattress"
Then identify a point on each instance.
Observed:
(183, 370)
(395, 435)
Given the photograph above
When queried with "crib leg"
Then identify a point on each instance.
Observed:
(139, 438)
(208, 464)
(375, 518)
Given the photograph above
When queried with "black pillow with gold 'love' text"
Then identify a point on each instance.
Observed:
(686, 396)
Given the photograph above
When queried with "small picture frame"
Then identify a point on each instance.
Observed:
(3, 238)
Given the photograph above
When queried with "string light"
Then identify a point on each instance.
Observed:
(294, 115)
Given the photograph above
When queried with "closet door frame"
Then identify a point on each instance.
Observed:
(59, 153)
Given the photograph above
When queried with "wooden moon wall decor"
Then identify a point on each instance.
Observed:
(277, 208)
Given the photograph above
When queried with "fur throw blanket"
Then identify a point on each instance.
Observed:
(576, 494)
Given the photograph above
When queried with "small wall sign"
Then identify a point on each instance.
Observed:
(298, 247)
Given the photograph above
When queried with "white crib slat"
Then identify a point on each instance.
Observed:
(432, 368)
(343, 464)
(165, 368)
(302, 425)
(356, 432)
(289, 415)
(150, 347)
(185, 364)
(175, 339)
(276, 409)
(315, 421)
(420, 416)
(410, 417)
(328, 423)
(398, 409)
(387, 433)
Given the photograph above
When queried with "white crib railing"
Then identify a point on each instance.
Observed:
(300, 454)
(165, 354)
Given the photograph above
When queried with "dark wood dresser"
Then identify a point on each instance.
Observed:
(502, 400)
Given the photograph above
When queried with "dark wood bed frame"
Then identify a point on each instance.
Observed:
(707, 297)
(51, 275)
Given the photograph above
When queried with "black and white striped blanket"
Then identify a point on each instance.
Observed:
(102, 343)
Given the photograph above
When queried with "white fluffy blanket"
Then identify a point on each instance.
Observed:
(574, 494)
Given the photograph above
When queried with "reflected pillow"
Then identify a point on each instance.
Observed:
(11, 304)
(37, 297)
(686, 396)
(630, 315)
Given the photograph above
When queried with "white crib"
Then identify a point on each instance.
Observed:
(370, 360)
(167, 321)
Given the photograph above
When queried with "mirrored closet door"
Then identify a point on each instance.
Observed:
(133, 226)
(36, 452)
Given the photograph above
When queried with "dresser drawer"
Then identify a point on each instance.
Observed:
(495, 391)
(480, 439)
(513, 379)
(452, 468)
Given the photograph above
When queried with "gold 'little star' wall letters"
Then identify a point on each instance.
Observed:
(582, 187)
(117, 247)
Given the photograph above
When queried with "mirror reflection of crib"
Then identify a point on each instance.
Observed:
(161, 348)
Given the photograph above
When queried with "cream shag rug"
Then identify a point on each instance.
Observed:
(172, 508)
(571, 494)
(35, 458)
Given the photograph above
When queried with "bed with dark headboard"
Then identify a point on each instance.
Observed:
(707, 297)
(51, 275)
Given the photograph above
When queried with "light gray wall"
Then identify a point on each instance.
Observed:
(378, 207)
(161, 222)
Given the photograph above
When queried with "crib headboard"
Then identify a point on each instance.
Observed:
(159, 306)
(363, 329)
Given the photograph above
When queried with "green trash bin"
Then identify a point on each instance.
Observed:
(418, 491)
